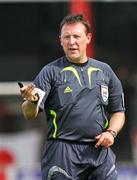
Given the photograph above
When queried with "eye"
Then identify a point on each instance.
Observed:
(66, 37)
(77, 36)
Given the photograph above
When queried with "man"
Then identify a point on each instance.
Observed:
(85, 109)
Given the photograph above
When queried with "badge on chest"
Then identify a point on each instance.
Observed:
(104, 92)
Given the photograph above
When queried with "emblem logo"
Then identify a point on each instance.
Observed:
(67, 90)
(104, 92)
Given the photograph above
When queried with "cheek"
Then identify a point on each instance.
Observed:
(83, 43)
(64, 47)
(63, 43)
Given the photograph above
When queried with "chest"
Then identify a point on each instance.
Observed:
(81, 77)
(73, 82)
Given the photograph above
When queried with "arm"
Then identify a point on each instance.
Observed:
(30, 110)
(116, 123)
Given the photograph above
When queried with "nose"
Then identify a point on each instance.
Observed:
(72, 40)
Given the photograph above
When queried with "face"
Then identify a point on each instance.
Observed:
(74, 40)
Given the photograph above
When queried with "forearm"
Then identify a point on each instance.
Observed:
(117, 121)
(30, 110)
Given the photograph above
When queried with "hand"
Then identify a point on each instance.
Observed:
(28, 92)
(104, 139)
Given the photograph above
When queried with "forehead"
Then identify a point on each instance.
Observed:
(73, 28)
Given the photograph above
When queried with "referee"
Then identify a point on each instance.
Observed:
(83, 101)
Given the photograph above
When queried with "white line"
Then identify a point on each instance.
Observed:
(10, 88)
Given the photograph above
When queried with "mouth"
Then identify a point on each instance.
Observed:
(73, 49)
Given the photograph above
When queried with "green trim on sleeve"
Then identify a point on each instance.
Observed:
(106, 124)
(52, 112)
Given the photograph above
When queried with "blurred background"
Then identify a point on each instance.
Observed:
(29, 39)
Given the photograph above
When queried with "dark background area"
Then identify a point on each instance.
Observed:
(29, 36)
(29, 39)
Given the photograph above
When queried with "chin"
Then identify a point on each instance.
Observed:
(74, 58)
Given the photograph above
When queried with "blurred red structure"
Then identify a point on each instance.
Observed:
(85, 7)
(6, 159)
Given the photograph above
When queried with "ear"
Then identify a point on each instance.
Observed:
(60, 40)
(89, 36)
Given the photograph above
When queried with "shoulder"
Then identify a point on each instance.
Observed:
(99, 64)
(52, 69)
(54, 65)
(106, 68)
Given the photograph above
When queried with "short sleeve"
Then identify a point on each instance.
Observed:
(116, 94)
(43, 82)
